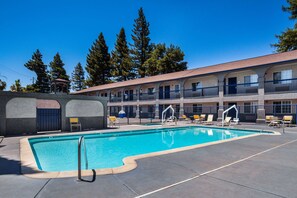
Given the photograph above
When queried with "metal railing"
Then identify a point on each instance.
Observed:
(243, 88)
(80, 141)
(201, 92)
(281, 85)
(115, 99)
(147, 96)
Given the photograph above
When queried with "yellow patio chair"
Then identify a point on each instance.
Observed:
(227, 122)
(287, 119)
(112, 120)
(74, 122)
(268, 118)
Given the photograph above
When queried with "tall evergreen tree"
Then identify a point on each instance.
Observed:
(78, 78)
(2, 85)
(16, 87)
(98, 63)
(165, 60)
(36, 65)
(57, 71)
(141, 48)
(121, 59)
(287, 41)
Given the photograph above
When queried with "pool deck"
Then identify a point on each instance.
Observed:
(261, 166)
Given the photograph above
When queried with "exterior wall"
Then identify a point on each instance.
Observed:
(278, 68)
(18, 112)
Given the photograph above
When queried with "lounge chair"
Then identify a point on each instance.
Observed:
(209, 120)
(202, 117)
(185, 118)
(112, 120)
(2, 138)
(268, 118)
(74, 122)
(274, 121)
(226, 122)
(287, 119)
(196, 118)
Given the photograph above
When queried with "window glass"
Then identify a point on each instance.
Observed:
(194, 85)
(150, 91)
(286, 74)
(277, 77)
(277, 107)
(176, 88)
(286, 107)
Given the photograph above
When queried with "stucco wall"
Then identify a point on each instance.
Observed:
(83, 108)
(21, 108)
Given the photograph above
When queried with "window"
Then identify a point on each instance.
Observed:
(197, 108)
(280, 77)
(119, 94)
(251, 81)
(176, 89)
(151, 91)
(196, 86)
(282, 107)
(250, 107)
(105, 95)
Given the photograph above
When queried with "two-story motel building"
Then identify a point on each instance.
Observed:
(260, 86)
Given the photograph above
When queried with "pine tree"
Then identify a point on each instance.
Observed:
(57, 70)
(78, 78)
(153, 64)
(173, 60)
(141, 48)
(2, 85)
(36, 65)
(16, 87)
(98, 63)
(121, 59)
(165, 60)
(287, 41)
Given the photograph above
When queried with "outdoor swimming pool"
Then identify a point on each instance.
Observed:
(107, 150)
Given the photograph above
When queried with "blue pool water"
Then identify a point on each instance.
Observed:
(107, 150)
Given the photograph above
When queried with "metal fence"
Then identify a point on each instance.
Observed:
(246, 113)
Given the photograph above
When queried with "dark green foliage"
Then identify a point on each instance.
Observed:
(29, 88)
(98, 63)
(36, 65)
(165, 60)
(292, 8)
(287, 41)
(78, 78)
(2, 85)
(121, 59)
(141, 47)
(57, 71)
(16, 87)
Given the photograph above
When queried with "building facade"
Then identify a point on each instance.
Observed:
(260, 86)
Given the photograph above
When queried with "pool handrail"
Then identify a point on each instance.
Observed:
(80, 141)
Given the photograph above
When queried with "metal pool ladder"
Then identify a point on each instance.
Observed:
(81, 141)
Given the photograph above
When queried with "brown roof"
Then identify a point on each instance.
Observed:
(240, 64)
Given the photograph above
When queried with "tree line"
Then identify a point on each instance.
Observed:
(126, 61)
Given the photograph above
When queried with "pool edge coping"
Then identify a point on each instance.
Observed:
(29, 167)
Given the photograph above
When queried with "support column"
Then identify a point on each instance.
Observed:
(221, 96)
(181, 104)
(157, 101)
(137, 102)
(261, 92)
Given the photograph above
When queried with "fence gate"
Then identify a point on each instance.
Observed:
(48, 119)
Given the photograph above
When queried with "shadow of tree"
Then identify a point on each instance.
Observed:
(10, 167)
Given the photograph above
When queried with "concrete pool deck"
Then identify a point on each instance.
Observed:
(261, 166)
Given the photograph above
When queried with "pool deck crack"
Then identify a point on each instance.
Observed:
(42, 187)
(242, 185)
(126, 185)
(216, 169)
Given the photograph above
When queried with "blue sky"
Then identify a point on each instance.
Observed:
(209, 32)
